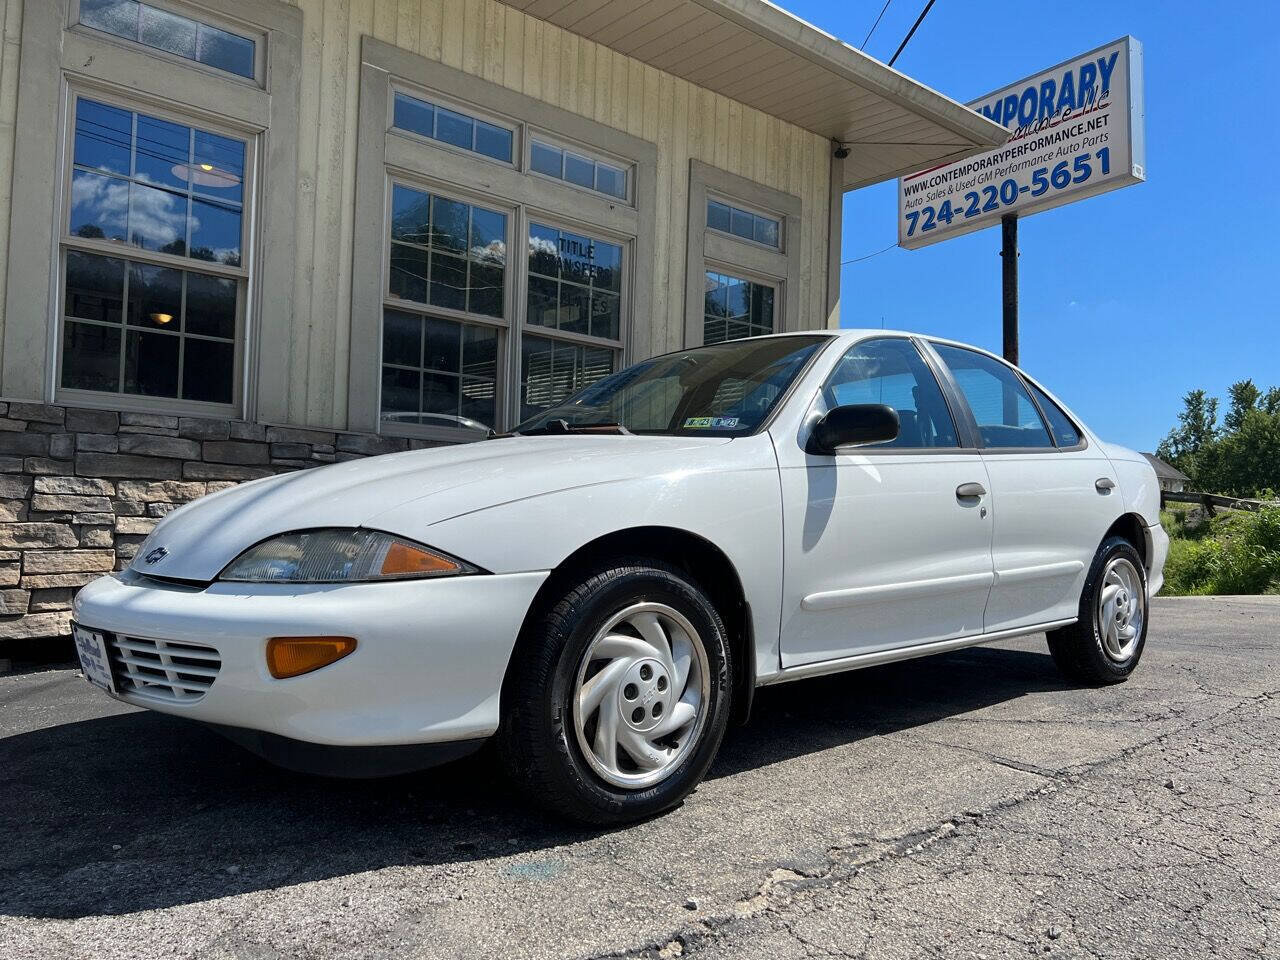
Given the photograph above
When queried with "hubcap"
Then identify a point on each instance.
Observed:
(1122, 608)
(641, 695)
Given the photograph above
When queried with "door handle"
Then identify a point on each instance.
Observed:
(967, 491)
(1104, 484)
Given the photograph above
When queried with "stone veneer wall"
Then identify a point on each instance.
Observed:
(80, 490)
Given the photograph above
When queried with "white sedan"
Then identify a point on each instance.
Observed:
(604, 588)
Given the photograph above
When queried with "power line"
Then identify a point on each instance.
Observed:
(845, 263)
(912, 32)
(867, 38)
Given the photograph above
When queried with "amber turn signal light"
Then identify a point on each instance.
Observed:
(294, 656)
(406, 560)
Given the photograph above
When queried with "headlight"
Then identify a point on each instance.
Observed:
(340, 556)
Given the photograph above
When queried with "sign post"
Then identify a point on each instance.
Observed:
(1077, 131)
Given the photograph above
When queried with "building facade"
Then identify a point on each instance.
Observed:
(246, 236)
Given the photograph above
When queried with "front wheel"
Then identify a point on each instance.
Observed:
(1105, 643)
(618, 697)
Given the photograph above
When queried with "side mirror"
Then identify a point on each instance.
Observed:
(853, 425)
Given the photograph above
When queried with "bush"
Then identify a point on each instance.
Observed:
(1235, 553)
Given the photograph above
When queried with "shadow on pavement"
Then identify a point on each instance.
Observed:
(141, 811)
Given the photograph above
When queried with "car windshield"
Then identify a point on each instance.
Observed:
(727, 389)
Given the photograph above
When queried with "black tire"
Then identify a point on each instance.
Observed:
(1079, 650)
(537, 739)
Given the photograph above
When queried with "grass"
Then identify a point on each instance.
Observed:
(1231, 552)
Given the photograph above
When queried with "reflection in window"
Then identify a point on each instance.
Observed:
(575, 282)
(438, 372)
(892, 372)
(1005, 415)
(453, 127)
(743, 223)
(156, 185)
(1065, 433)
(551, 371)
(178, 35)
(447, 253)
(147, 329)
(735, 308)
(565, 164)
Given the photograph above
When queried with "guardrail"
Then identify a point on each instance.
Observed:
(1211, 500)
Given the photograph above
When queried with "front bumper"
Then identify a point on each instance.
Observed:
(427, 668)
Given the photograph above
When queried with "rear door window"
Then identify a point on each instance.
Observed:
(1003, 410)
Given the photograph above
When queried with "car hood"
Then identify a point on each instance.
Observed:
(426, 486)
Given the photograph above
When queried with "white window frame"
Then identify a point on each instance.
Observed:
(591, 153)
(528, 197)
(199, 15)
(131, 254)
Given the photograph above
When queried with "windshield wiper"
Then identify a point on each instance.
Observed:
(561, 427)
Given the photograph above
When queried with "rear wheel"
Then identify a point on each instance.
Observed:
(1106, 642)
(617, 699)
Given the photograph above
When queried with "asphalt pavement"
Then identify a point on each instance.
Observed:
(968, 805)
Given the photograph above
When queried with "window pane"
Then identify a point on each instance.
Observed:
(577, 258)
(449, 221)
(402, 339)
(488, 235)
(157, 219)
(410, 215)
(91, 357)
(401, 395)
(606, 315)
(219, 166)
(607, 261)
(544, 302)
(163, 149)
(166, 31)
(151, 364)
(99, 206)
(443, 350)
(579, 170)
(611, 180)
(891, 371)
(454, 128)
(767, 231)
(114, 16)
(211, 306)
(155, 296)
(440, 400)
(1064, 431)
(480, 352)
(415, 115)
(215, 232)
(544, 250)
(208, 370)
(718, 217)
(408, 273)
(493, 141)
(448, 282)
(226, 51)
(95, 287)
(551, 371)
(742, 224)
(485, 294)
(546, 159)
(575, 308)
(1004, 412)
(103, 137)
(478, 403)
(734, 308)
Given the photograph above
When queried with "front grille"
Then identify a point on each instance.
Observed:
(170, 670)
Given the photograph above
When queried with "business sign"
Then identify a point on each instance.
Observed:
(1077, 131)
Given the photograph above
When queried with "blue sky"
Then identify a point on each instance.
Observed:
(1129, 299)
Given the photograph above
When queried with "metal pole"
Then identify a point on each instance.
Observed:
(1009, 256)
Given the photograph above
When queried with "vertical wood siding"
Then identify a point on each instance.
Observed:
(500, 44)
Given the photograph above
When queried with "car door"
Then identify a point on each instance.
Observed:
(880, 551)
(1053, 494)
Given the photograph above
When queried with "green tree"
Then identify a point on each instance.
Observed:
(1242, 457)
(1243, 398)
(1197, 429)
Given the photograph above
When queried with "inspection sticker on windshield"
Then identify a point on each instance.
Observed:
(711, 423)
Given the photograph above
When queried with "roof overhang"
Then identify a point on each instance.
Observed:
(766, 58)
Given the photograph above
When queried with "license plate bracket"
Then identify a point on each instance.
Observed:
(91, 648)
